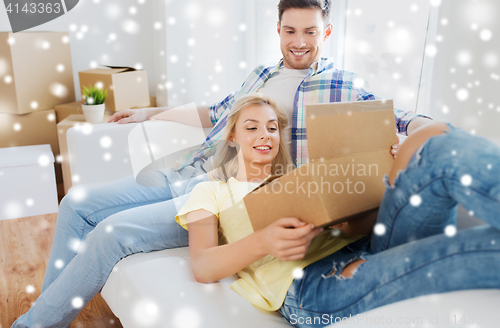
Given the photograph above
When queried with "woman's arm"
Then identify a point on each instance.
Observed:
(287, 239)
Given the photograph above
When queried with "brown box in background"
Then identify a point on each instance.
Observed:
(349, 154)
(152, 102)
(35, 71)
(127, 87)
(37, 128)
(62, 129)
(65, 110)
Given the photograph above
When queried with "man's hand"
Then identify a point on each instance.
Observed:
(288, 239)
(132, 115)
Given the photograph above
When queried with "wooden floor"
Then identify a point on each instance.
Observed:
(24, 251)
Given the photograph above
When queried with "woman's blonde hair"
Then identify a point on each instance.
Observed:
(225, 161)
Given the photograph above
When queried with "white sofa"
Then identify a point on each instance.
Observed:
(158, 289)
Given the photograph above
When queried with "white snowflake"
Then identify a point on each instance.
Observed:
(450, 230)
(485, 35)
(466, 180)
(145, 313)
(77, 302)
(379, 229)
(415, 200)
(59, 263)
(298, 273)
(106, 141)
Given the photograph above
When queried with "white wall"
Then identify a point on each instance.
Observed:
(133, 45)
(232, 37)
(466, 70)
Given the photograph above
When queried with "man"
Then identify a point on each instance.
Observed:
(121, 218)
(303, 28)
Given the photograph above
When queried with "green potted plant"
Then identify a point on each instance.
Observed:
(93, 103)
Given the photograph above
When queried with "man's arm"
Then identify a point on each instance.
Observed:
(184, 115)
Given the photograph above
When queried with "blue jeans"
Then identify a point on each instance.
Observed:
(98, 225)
(414, 256)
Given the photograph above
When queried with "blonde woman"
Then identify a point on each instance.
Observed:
(313, 278)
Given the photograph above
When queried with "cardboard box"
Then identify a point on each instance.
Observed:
(36, 128)
(152, 102)
(65, 110)
(27, 182)
(35, 71)
(349, 154)
(62, 129)
(127, 87)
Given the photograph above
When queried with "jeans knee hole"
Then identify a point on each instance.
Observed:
(352, 268)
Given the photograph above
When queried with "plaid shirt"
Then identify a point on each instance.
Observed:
(324, 84)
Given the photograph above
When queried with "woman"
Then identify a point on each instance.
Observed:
(311, 281)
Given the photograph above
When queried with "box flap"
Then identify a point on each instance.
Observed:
(26, 155)
(286, 196)
(356, 127)
(349, 154)
(103, 71)
(123, 68)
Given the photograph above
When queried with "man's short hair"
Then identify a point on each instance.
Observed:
(324, 5)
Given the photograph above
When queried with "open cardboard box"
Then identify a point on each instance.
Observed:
(127, 87)
(35, 71)
(349, 153)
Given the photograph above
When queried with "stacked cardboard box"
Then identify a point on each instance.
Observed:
(127, 87)
(35, 75)
(37, 89)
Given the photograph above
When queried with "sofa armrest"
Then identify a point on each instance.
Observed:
(100, 152)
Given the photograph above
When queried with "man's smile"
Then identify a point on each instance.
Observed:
(300, 53)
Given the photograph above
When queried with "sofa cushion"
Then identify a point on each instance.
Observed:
(159, 289)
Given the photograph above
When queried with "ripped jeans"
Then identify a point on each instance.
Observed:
(417, 250)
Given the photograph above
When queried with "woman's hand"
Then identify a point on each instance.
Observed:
(288, 239)
(132, 115)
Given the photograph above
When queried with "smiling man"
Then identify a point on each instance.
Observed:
(142, 218)
(301, 77)
(302, 34)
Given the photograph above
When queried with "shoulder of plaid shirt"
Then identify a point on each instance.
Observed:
(323, 84)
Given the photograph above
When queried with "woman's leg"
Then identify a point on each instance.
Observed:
(141, 229)
(437, 264)
(451, 168)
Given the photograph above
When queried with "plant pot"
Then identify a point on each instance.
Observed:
(93, 113)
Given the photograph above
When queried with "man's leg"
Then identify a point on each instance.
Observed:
(141, 229)
(87, 205)
(452, 168)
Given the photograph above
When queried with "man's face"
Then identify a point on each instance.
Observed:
(302, 34)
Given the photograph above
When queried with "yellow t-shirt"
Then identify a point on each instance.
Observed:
(265, 282)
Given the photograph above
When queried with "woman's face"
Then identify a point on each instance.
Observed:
(256, 132)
